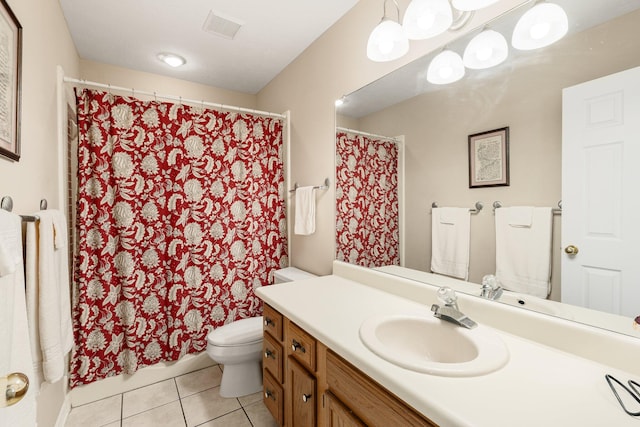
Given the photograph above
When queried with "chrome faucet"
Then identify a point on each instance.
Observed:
(491, 288)
(450, 311)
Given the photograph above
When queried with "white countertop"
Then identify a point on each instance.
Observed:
(539, 386)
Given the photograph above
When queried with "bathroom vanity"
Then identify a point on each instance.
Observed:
(307, 384)
(318, 371)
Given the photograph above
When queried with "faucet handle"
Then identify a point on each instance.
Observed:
(447, 296)
(491, 282)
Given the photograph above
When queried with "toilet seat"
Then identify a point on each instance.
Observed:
(241, 332)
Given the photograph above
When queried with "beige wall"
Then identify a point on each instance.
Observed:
(334, 65)
(529, 101)
(46, 44)
(147, 82)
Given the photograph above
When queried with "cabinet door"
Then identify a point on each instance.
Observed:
(301, 394)
(338, 415)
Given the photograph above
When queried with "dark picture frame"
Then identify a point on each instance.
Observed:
(10, 82)
(489, 158)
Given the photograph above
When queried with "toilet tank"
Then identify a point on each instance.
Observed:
(290, 274)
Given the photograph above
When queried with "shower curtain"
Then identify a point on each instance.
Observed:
(180, 216)
(367, 223)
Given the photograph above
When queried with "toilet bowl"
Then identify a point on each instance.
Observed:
(238, 346)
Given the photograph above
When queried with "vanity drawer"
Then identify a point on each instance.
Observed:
(273, 397)
(302, 346)
(272, 322)
(272, 357)
(367, 399)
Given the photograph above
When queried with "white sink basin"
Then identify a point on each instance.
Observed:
(426, 344)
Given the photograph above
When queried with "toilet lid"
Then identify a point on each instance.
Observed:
(243, 331)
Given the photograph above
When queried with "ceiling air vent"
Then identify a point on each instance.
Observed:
(221, 26)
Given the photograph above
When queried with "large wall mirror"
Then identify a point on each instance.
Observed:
(431, 125)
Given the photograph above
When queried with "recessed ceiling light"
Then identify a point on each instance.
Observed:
(171, 59)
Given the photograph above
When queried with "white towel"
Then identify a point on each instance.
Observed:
(305, 219)
(31, 277)
(15, 351)
(450, 234)
(48, 292)
(523, 254)
(520, 216)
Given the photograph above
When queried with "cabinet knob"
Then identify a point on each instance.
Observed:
(268, 321)
(269, 354)
(268, 394)
(306, 397)
(295, 346)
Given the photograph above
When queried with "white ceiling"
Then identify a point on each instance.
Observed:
(130, 33)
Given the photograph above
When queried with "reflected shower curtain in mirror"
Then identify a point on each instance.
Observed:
(181, 216)
(367, 224)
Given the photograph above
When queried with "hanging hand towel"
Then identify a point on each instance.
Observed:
(32, 295)
(53, 300)
(15, 354)
(520, 216)
(523, 253)
(450, 234)
(305, 219)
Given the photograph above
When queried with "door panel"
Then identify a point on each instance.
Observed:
(600, 197)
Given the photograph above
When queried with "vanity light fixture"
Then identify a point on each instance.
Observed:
(427, 18)
(172, 59)
(469, 5)
(486, 50)
(387, 41)
(446, 67)
(543, 24)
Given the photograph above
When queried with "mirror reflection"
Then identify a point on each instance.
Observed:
(525, 94)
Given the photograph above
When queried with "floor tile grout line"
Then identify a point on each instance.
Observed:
(175, 382)
(184, 416)
(247, 415)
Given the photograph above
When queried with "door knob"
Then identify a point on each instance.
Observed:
(16, 386)
(571, 250)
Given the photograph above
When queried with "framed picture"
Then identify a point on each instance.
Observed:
(489, 158)
(10, 82)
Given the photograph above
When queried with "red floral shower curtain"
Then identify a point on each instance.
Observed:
(180, 217)
(367, 225)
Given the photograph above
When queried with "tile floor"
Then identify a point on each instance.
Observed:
(189, 400)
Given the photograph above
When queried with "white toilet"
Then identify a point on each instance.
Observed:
(238, 346)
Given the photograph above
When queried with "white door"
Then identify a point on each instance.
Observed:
(601, 194)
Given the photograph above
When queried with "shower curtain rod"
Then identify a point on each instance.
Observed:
(173, 98)
(391, 138)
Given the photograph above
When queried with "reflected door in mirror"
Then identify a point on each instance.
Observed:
(601, 202)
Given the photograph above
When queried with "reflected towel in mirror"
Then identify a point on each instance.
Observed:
(523, 254)
(450, 235)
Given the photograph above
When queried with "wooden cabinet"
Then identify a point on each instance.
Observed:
(273, 363)
(366, 399)
(307, 385)
(338, 415)
(273, 397)
(301, 395)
